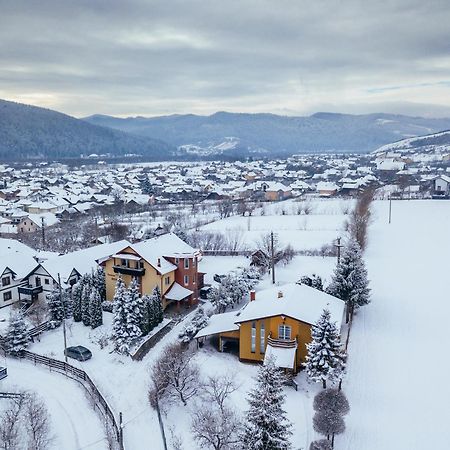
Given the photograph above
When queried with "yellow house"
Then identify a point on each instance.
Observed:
(275, 323)
(165, 262)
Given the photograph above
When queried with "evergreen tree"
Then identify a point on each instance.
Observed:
(85, 298)
(95, 309)
(77, 292)
(349, 281)
(266, 426)
(199, 321)
(120, 333)
(325, 359)
(55, 306)
(67, 304)
(148, 319)
(157, 305)
(99, 279)
(17, 338)
(134, 310)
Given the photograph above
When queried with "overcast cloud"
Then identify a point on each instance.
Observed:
(136, 57)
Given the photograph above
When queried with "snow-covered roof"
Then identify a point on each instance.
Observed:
(219, 323)
(177, 292)
(281, 356)
(298, 301)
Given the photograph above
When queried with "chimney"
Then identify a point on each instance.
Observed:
(159, 262)
(280, 294)
(252, 295)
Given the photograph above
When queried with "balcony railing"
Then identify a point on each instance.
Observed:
(29, 290)
(282, 343)
(134, 271)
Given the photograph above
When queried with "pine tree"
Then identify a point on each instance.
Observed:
(157, 305)
(85, 298)
(148, 321)
(77, 292)
(349, 281)
(120, 332)
(95, 309)
(100, 282)
(325, 359)
(266, 426)
(17, 338)
(134, 310)
(55, 307)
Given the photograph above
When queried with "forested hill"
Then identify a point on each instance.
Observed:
(32, 132)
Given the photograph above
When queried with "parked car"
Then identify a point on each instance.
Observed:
(217, 277)
(79, 353)
(204, 291)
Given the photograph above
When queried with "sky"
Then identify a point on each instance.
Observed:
(292, 57)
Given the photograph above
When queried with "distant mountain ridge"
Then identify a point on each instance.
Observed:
(32, 132)
(430, 143)
(270, 134)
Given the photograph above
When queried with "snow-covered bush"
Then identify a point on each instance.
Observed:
(17, 337)
(199, 321)
(107, 306)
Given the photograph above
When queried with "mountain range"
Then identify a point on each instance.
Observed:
(237, 134)
(30, 132)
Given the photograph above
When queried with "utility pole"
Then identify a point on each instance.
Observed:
(64, 318)
(96, 230)
(43, 233)
(390, 208)
(272, 257)
(338, 246)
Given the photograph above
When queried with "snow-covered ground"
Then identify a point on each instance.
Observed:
(74, 423)
(398, 364)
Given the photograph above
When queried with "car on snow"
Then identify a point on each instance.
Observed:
(78, 352)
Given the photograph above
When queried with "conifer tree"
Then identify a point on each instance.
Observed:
(55, 307)
(349, 281)
(17, 338)
(100, 282)
(120, 333)
(95, 309)
(148, 321)
(134, 311)
(325, 359)
(77, 292)
(157, 305)
(85, 298)
(266, 426)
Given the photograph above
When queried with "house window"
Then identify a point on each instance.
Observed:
(177, 260)
(46, 281)
(167, 281)
(262, 337)
(38, 281)
(186, 263)
(186, 279)
(284, 332)
(253, 342)
(7, 296)
(6, 281)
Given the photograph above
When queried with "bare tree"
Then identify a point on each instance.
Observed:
(215, 428)
(175, 376)
(10, 425)
(218, 388)
(37, 423)
(360, 217)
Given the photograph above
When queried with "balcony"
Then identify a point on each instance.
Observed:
(282, 343)
(133, 271)
(29, 290)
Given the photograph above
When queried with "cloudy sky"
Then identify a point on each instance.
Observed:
(144, 57)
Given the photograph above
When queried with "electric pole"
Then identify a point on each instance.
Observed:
(43, 233)
(390, 208)
(96, 231)
(338, 246)
(64, 318)
(272, 257)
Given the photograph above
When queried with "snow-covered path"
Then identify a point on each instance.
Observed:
(75, 424)
(398, 357)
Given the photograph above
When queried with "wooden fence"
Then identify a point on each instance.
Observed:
(81, 376)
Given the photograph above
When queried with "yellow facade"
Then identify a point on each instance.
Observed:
(148, 281)
(300, 331)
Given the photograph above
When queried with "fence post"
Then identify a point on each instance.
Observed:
(120, 431)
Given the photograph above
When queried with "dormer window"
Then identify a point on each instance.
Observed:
(284, 332)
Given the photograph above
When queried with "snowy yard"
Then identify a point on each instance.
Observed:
(397, 371)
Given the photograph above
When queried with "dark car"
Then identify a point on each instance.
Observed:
(79, 353)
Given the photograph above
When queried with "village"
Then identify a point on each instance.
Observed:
(213, 270)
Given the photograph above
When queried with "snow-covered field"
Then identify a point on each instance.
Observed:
(398, 363)
(310, 231)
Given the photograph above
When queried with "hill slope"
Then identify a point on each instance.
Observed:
(430, 143)
(33, 132)
(277, 135)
